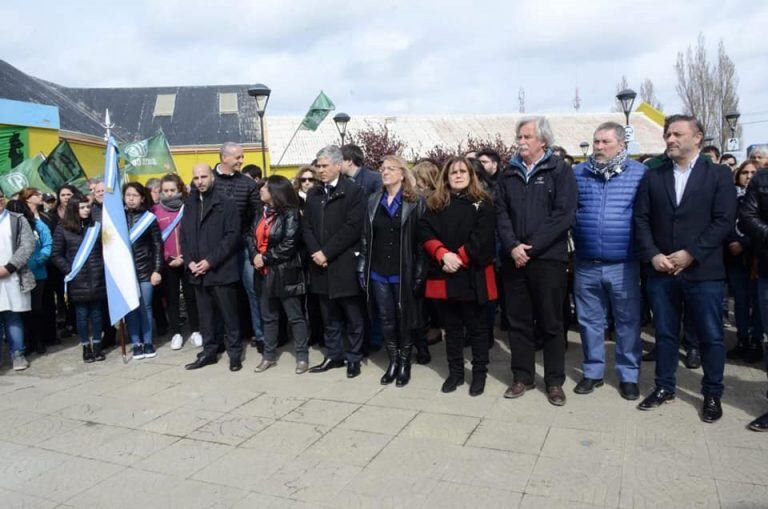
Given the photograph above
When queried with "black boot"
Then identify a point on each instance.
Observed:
(478, 384)
(404, 370)
(87, 354)
(98, 354)
(394, 354)
(422, 351)
(738, 351)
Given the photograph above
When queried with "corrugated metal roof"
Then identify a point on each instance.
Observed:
(422, 132)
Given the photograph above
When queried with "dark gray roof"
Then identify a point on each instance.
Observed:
(195, 121)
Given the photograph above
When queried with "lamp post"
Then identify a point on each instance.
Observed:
(261, 93)
(341, 120)
(584, 146)
(627, 98)
(733, 142)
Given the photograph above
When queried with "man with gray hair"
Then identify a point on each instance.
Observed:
(606, 268)
(535, 203)
(332, 227)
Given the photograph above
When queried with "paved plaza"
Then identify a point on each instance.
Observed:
(150, 434)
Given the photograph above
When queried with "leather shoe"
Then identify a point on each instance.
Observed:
(477, 387)
(264, 365)
(326, 365)
(650, 356)
(692, 359)
(657, 398)
(451, 383)
(302, 367)
(587, 385)
(353, 369)
(235, 365)
(517, 389)
(200, 362)
(759, 424)
(556, 395)
(629, 390)
(711, 409)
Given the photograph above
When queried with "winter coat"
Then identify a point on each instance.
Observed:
(537, 210)
(245, 193)
(369, 180)
(171, 245)
(412, 259)
(753, 218)
(464, 227)
(23, 248)
(148, 248)
(89, 284)
(43, 247)
(285, 274)
(210, 230)
(603, 228)
(747, 255)
(334, 225)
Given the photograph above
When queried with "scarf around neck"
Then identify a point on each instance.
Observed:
(609, 168)
(173, 203)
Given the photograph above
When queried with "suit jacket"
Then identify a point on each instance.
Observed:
(369, 180)
(700, 223)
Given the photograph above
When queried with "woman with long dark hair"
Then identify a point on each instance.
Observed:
(457, 232)
(275, 246)
(391, 264)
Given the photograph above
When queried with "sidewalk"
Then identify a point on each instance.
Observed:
(150, 434)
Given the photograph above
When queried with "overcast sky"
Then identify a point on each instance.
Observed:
(393, 57)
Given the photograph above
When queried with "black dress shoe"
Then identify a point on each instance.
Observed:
(587, 385)
(629, 390)
(650, 356)
(353, 369)
(657, 398)
(200, 362)
(235, 365)
(692, 358)
(451, 383)
(759, 424)
(737, 352)
(753, 354)
(326, 365)
(477, 387)
(711, 409)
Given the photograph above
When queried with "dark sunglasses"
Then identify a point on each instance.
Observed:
(306, 179)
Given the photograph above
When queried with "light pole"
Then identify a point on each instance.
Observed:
(733, 118)
(261, 93)
(584, 146)
(627, 98)
(341, 120)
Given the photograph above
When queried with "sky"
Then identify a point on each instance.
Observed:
(388, 57)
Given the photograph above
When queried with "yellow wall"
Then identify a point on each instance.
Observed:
(91, 157)
(42, 140)
(185, 160)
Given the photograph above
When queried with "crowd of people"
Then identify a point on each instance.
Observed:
(356, 260)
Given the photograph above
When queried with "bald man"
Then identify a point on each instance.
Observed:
(210, 233)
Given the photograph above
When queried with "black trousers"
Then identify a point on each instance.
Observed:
(345, 314)
(175, 283)
(534, 296)
(35, 320)
(219, 302)
(460, 315)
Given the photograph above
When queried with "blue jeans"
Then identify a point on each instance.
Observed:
(14, 330)
(253, 295)
(745, 305)
(598, 288)
(703, 300)
(89, 313)
(139, 321)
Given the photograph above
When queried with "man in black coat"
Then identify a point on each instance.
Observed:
(353, 167)
(332, 228)
(684, 210)
(210, 237)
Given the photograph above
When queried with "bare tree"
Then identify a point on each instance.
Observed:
(648, 94)
(521, 100)
(708, 91)
(621, 85)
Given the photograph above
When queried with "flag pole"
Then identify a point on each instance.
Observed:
(289, 144)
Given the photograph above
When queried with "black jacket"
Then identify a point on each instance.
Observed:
(244, 191)
(412, 259)
(538, 212)
(285, 275)
(753, 218)
(148, 249)
(210, 230)
(369, 180)
(89, 284)
(334, 225)
(700, 224)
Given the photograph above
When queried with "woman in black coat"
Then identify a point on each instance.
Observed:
(274, 245)
(457, 233)
(88, 290)
(391, 264)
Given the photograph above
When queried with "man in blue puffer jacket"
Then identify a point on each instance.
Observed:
(607, 272)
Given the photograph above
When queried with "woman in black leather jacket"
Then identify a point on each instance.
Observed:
(274, 243)
(148, 260)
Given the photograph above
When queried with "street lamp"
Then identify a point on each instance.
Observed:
(261, 93)
(627, 98)
(732, 118)
(584, 146)
(341, 120)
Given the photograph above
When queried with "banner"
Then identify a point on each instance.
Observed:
(24, 175)
(62, 167)
(317, 112)
(150, 156)
(14, 147)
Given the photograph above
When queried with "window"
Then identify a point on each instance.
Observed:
(164, 105)
(227, 103)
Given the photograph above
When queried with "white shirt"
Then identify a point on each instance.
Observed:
(332, 184)
(681, 177)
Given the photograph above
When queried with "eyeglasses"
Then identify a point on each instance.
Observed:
(306, 179)
(391, 168)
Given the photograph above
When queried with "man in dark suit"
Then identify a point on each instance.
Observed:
(332, 228)
(684, 210)
(353, 167)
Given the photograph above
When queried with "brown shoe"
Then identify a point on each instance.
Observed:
(301, 367)
(264, 365)
(555, 395)
(517, 389)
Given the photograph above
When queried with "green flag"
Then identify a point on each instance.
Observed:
(317, 112)
(62, 167)
(150, 156)
(14, 147)
(24, 175)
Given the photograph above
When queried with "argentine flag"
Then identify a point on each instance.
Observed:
(120, 273)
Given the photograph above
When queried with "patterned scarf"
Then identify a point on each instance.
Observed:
(609, 168)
